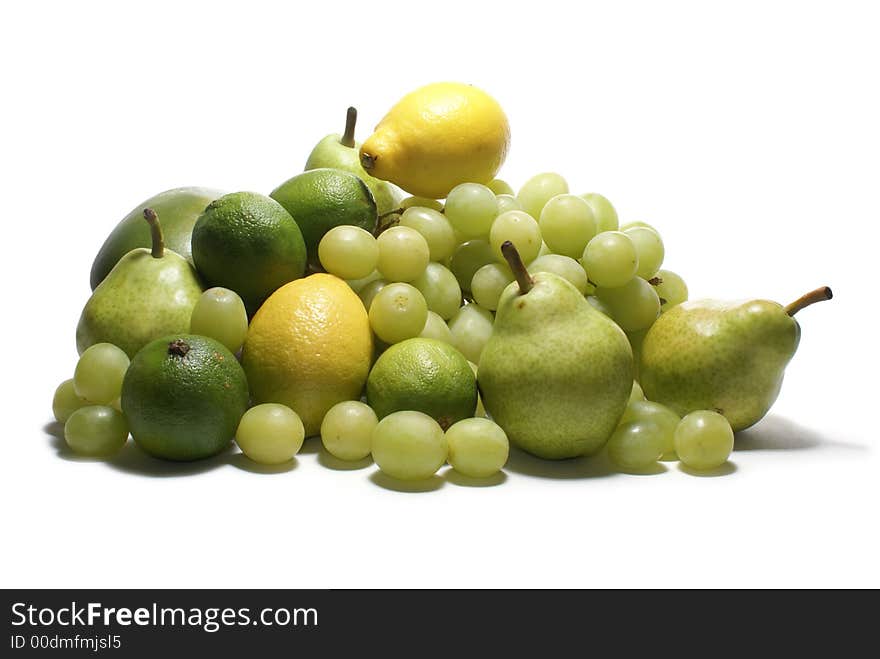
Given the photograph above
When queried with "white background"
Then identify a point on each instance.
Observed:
(746, 132)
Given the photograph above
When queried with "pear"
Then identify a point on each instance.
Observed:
(342, 152)
(149, 293)
(724, 356)
(556, 374)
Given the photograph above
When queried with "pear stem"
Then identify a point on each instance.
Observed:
(351, 118)
(523, 278)
(819, 295)
(158, 250)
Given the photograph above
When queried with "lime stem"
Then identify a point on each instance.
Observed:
(178, 348)
(158, 249)
(819, 295)
(351, 118)
(523, 278)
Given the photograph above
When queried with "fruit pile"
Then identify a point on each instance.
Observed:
(415, 331)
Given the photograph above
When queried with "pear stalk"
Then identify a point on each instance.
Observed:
(819, 295)
(158, 248)
(523, 278)
(351, 118)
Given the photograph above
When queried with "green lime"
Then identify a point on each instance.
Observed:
(423, 375)
(248, 243)
(321, 199)
(183, 396)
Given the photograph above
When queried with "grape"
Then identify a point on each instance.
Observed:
(471, 207)
(636, 394)
(506, 203)
(544, 251)
(538, 190)
(347, 430)
(488, 283)
(703, 440)
(477, 447)
(671, 289)
(468, 258)
(519, 228)
(220, 314)
(370, 291)
(440, 289)
(500, 187)
(409, 445)
(563, 266)
(357, 285)
(665, 419)
(603, 211)
(636, 445)
(348, 252)
(480, 411)
(65, 401)
(270, 434)
(633, 225)
(471, 327)
(403, 254)
(610, 259)
(634, 306)
(398, 312)
(96, 430)
(567, 225)
(435, 229)
(99, 373)
(649, 249)
(422, 202)
(598, 305)
(436, 328)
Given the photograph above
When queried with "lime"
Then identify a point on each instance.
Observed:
(183, 396)
(424, 375)
(248, 243)
(321, 199)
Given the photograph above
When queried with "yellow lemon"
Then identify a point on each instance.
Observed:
(309, 347)
(436, 137)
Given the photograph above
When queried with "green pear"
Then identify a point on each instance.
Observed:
(342, 152)
(149, 293)
(724, 356)
(556, 374)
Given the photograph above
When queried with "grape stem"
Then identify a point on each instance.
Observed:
(158, 241)
(351, 118)
(523, 278)
(819, 295)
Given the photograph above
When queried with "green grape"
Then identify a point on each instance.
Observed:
(357, 285)
(471, 327)
(538, 190)
(471, 207)
(567, 225)
(665, 419)
(544, 251)
(488, 284)
(634, 306)
(480, 411)
(636, 445)
(598, 305)
(441, 290)
(409, 445)
(422, 202)
(370, 291)
(347, 430)
(671, 289)
(220, 314)
(636, 394)
(398, 312)
(270, 434)
(603, 212)
(703, 440)
(403, 254)
(478, 447)
(519, 228)
(348, 252)
(436, 328)
(563, 266)
(99, 373)
(649, 249)
(633, 225)
(610, 259)
(435, 229)
(65, 401)
(506, 203)
(96, 430)
(500, 187)
(469, 257)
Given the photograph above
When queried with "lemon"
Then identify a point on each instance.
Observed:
(309, 347)
(436, 137)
